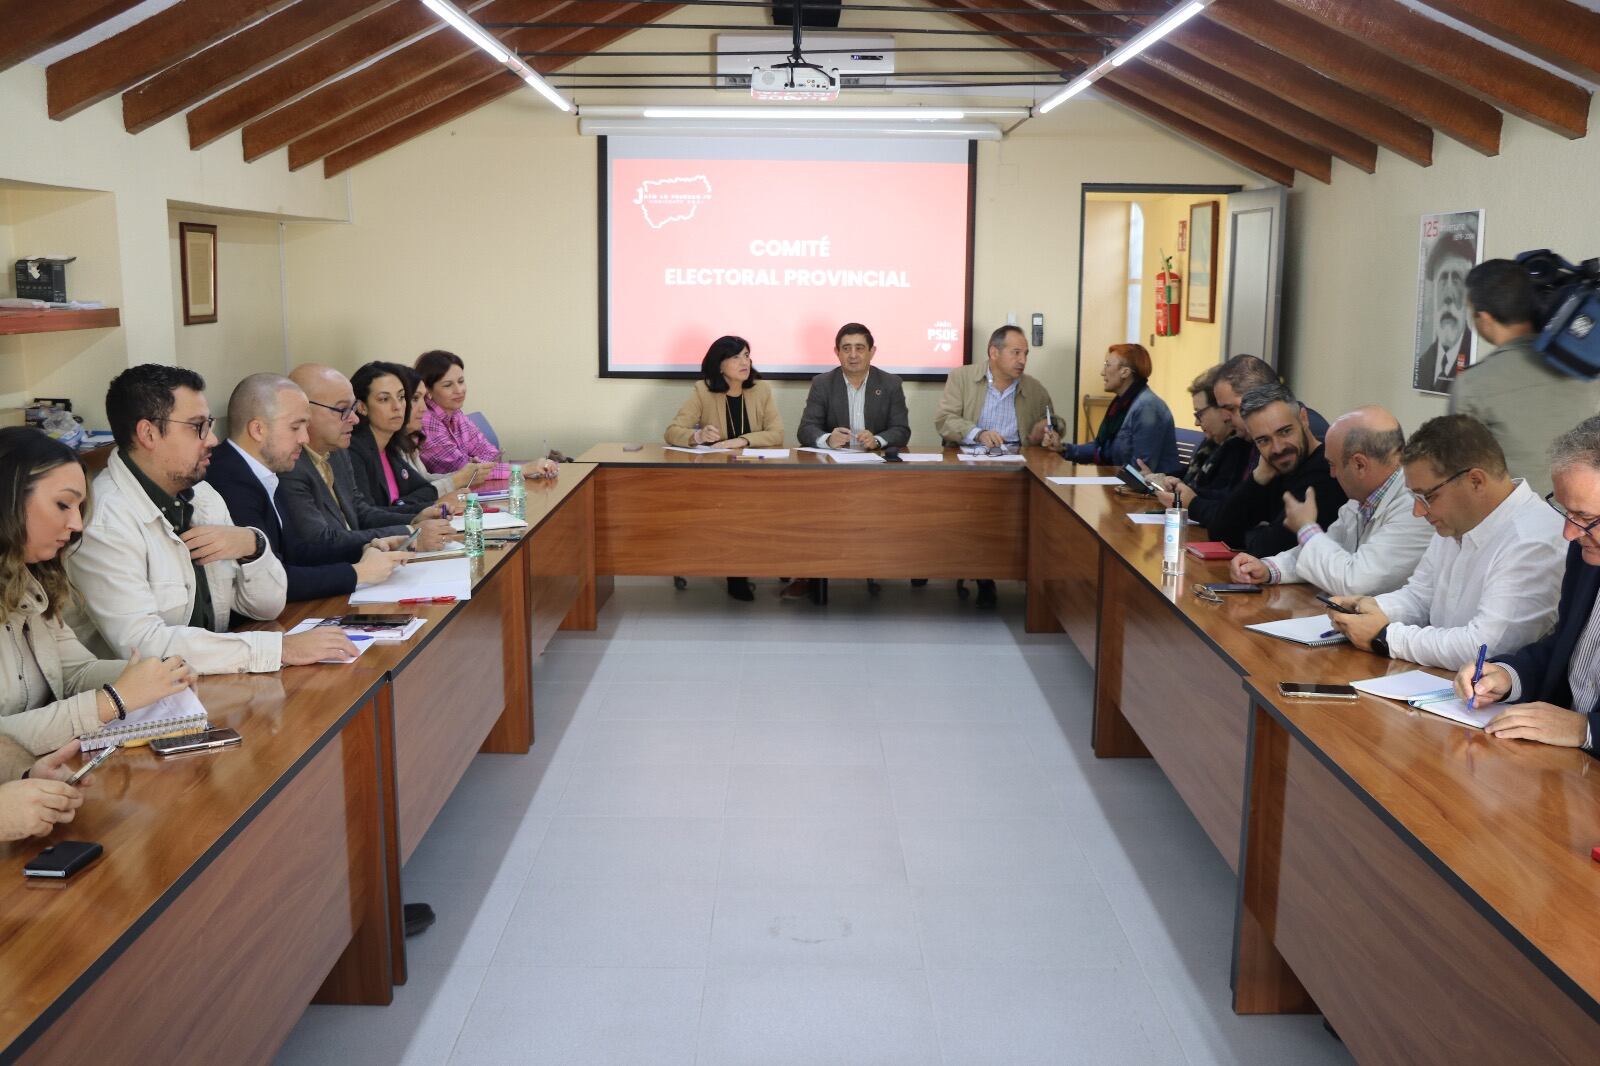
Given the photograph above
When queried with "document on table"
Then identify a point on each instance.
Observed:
(1157, 519)
(1095, 480)
(1428, 692)
(1008, 458)
(764, 453)
(442, 577)
(855, 457)
(1309, 630)
(491, 520)
(922, 457)
(698, 449)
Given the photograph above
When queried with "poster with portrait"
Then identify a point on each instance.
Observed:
(1451, 244)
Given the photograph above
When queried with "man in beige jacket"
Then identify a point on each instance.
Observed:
(162, 568)
(995, 403)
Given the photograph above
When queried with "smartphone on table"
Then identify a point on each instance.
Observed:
(1306, 691)
(205, 740)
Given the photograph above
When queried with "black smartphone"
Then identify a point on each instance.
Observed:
(373, 621)
(1135, 480)
(1327, 601)
(63, 859)
(205, 740)
(1228, 586)
(1305, 691)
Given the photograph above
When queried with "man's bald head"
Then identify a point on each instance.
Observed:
(259, 396)
(330, 393)
(1363, 449)
(268, 418)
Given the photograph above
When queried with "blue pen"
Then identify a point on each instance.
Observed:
(1329, 633)
(1477, 675)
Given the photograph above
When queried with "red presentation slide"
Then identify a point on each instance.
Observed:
(783, 252)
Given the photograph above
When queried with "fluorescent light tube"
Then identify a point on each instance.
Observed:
(491, 44)
(857, 114)
(1157, 30)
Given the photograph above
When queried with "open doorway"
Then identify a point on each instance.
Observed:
(1131, 236)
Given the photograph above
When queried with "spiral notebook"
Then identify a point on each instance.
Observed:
(181, 713)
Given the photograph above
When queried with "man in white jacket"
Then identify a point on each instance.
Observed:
(1377, 540)
(161, 567)
(1492, 573)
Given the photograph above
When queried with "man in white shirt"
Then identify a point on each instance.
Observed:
(1377, 540)
(1492, 572)
(161, 567)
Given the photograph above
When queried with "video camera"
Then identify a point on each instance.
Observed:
(1567, 311)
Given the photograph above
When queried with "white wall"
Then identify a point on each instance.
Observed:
(1350, 305)
(481, 238)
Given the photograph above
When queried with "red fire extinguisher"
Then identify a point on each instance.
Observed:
(1169, 298)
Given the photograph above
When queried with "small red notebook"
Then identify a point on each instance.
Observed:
(1210, 549)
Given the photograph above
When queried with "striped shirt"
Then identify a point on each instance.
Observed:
(999, 412)
(450, 440)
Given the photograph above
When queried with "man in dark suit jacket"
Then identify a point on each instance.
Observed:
(267, 416)
(856, 406)
(321, 502)
(1553, 684)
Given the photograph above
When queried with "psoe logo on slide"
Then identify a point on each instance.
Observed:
(671, 199)
(942, 335)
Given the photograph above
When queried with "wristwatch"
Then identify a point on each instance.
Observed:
(261, 546)
(1380, 643)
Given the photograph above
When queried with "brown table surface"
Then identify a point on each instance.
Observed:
(161, 822)
(1509, 823)
(661, 455)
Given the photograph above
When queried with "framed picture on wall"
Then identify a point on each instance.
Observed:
(1449, 245)
(1202, 303)
(197, 259)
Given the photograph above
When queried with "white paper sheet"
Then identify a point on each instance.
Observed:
(442, 577)
(1308, 630)
(1404, 686)
(1095, 480)
(699, 449)
(965, 458)
(922, 457)
(764, 453)
(491, 520)
(855, 457)
(1153, 520)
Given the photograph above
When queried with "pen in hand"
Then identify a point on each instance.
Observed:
(1477, 675)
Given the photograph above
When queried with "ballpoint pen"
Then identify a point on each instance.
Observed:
(1477, 675)
(428, 599)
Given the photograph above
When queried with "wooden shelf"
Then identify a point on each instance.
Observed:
(14, 320)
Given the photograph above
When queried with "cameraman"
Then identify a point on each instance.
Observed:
(1525, 403)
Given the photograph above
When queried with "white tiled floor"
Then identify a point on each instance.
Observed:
(771, 833)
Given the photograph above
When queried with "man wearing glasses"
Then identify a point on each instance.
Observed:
(161, 567)
(321, 501)
(1553, 684)
(1491, 573)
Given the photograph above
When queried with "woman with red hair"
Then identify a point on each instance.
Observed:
(1138, 424)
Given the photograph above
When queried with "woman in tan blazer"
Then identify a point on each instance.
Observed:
(731, 405)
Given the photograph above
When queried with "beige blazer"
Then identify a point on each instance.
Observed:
(14, 760)
(707, 408)
(50, 719)
(962, 403)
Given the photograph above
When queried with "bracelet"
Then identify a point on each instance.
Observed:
(122, 710)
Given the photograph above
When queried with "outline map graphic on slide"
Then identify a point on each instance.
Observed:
(675, 206)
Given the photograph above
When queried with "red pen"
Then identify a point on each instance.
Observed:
(491, 510)
(429, 599)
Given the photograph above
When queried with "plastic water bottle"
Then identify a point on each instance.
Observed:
(474, 527)
(519, 494)
(1172, 539)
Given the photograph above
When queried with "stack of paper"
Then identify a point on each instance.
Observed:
(415, 581)
(698, 449)
(383, 635)
(1426, 692)
(922, 457)
(764, 453)
(1008, 458)
(855, 457)
(1155, 519)
(491, 520)
(1314, 631)
(1094, 480)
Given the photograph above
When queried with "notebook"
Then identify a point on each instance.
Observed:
(1210, 549)
(168, 716)
(1427, 692)
(1308, 631)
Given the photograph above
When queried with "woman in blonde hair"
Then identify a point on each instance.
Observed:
(52, 688)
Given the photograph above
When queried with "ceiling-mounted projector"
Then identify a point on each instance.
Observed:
(794, 82)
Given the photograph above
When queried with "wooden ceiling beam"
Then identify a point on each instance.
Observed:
(1294, 83)
(302, 72)
(1421, 96)
(444, 83)
(365, 88)
(1266, 139)
(1473, 66)
(243, 55)
(120, 62)
(1560, 33)
(33, 27)
(472, 98)
(1251, 100)
(1246, 155)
